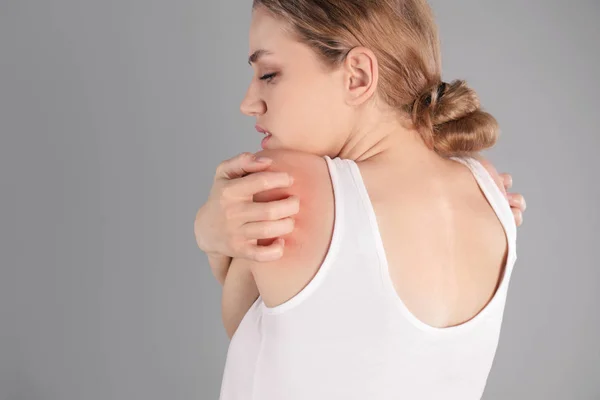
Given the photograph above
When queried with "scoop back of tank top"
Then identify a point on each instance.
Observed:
(348, 335)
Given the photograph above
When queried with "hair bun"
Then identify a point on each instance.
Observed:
(451, 120)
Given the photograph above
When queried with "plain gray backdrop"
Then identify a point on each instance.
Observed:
(114, 115)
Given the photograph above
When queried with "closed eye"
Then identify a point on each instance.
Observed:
(268, 77)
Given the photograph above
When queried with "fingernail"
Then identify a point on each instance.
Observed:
(291, 179)
(263, 159)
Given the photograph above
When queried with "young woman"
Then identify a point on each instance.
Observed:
(381, 271)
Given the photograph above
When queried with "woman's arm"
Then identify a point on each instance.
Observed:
(219, 265)
(239, 293)
(239, 290)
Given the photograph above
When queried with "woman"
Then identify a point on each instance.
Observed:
(399, 243)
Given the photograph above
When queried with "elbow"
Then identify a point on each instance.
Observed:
(229, 330)
(228, 323)
(229, 333)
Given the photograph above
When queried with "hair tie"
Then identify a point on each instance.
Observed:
(441, 89)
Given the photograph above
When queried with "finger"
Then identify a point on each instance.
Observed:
(259, 182)
(271, 210)
(240, 165)
(271, 252)
(518, 215)
(517, 200)
(507, 180)
(268, 229)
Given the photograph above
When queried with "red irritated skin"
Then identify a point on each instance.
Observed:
(313, 189)
(273, 195)
(298, 188)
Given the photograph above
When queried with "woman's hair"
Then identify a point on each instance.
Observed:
(404, 37)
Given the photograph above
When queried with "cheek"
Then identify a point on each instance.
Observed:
(294, 111)
(326, 102)
(313, 107)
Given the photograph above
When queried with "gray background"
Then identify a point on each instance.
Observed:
(113, 117)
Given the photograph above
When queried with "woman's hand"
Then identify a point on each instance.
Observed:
(230, 222)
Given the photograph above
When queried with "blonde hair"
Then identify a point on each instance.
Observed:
(404, 37)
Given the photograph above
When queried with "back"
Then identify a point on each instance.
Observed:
(350, 332)
(444, 245)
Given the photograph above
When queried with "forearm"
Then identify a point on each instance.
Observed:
(219, 265)
(239, 293)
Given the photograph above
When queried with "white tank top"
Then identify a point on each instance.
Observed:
(348, 335)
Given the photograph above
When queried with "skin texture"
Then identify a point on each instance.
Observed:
(347, 119)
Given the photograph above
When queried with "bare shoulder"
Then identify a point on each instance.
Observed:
(307, 245)
(310, 173)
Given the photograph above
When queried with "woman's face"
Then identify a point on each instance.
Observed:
(292, 95)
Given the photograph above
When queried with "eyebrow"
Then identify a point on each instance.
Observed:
(257, 54)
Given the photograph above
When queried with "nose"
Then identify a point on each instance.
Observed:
(252, 105)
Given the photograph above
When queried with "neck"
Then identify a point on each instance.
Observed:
(387, 142)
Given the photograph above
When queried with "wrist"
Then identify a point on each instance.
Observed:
(200, 241)
(214, 256)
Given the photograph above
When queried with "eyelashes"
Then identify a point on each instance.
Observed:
(268, 77)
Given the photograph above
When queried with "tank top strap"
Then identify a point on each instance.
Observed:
(358, 259)
(349, 193)
(345, 188)
(497, 200)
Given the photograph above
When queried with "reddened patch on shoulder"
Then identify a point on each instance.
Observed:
(309, 185)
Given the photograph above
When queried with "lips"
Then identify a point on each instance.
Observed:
(267, 135)
(261, 129)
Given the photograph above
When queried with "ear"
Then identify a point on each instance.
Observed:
(361, 75)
